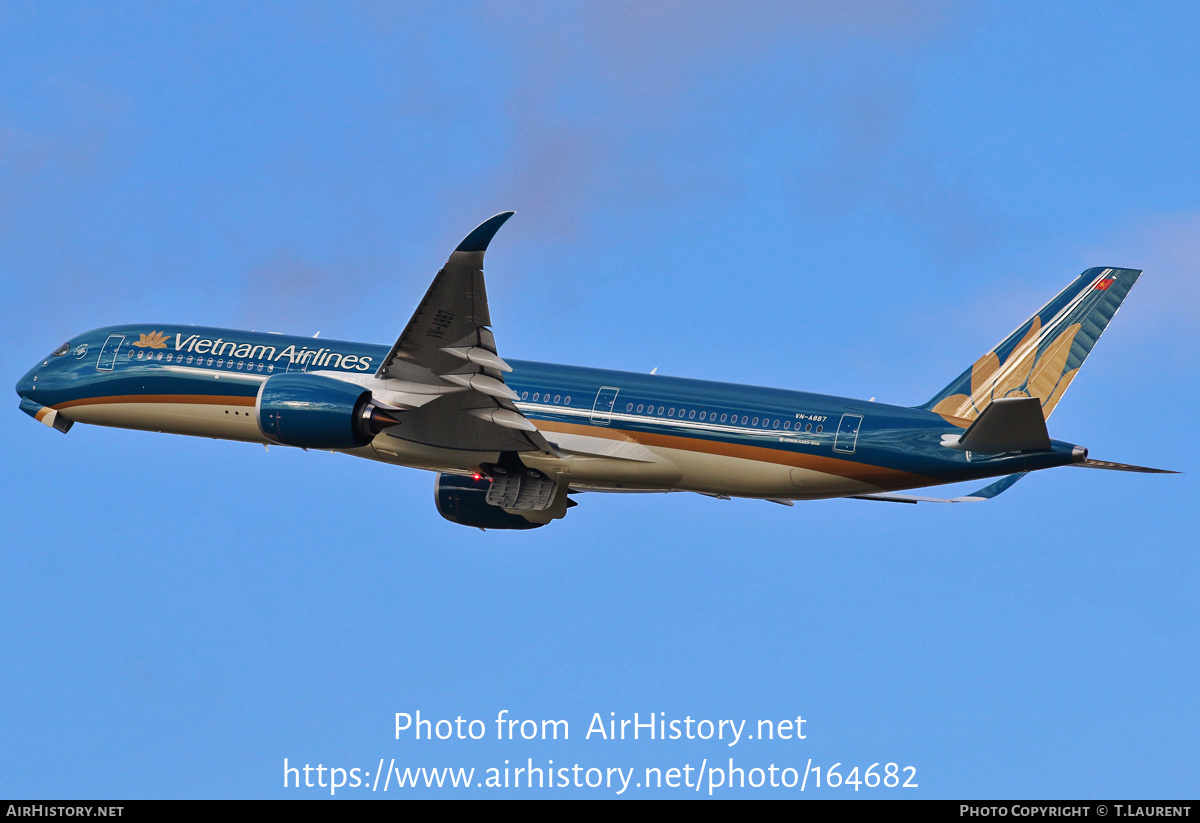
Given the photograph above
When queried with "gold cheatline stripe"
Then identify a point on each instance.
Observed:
(197, 399)
(875, 475)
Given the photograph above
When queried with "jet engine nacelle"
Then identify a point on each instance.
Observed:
(316, 412)
(463, 500)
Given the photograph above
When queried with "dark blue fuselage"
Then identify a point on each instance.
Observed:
(140, 368)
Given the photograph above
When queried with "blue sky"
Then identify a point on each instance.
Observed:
(849, 198)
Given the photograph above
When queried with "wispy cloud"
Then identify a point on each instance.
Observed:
(289, 293)
(629, 100)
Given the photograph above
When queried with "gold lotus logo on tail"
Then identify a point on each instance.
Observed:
(1023, 374)
(153, 340)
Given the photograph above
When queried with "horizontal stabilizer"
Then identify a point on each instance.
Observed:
(1120, 467)
(986, 493)
(991, 490)
(1010, 424)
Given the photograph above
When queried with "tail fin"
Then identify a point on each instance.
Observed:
(1041, 357)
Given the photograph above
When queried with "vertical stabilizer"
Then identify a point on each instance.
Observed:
(1041, 358)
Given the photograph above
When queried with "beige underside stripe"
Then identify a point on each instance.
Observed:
(875, 475)
(203, 399)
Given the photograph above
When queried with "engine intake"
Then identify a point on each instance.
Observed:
(316, 412)
(463, 500)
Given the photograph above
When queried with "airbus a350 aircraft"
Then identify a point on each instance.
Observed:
(511, 441)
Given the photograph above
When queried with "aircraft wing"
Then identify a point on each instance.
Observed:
(449, 328)
(443, 372)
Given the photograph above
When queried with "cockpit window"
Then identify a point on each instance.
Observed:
(61, 350)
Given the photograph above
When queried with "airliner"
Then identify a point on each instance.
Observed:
(512, 442)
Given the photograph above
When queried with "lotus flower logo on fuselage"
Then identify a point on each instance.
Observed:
(153, 340)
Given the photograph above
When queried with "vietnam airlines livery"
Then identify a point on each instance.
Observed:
(512, 441)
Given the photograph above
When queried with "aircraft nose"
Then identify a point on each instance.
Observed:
(25, 384)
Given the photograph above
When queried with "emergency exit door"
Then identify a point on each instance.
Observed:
(606, 398)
